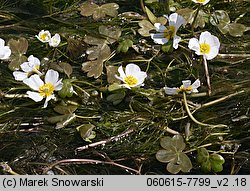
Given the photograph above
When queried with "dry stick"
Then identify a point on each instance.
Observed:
(105, 141)
(87, 161)
(207, 76)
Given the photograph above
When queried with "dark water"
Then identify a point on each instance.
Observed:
(29, 144)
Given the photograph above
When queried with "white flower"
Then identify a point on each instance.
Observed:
(132, 77)
(5, 51)
(32, 66)
(44, 89)
(55, 40)
(169, 33)
(208, 45)
(185, 87)
(203, 2)
(44, 36)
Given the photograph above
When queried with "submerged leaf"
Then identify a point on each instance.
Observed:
(116, 98)
(65, 109)
(62, 120)
(67, 68)
(124, 45)
(236, 29)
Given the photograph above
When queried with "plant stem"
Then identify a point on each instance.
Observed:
(209, 91)
(195, 17)
(195, 120)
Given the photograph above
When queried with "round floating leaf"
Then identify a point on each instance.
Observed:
(146, 26)
(185, 162)
(19, 46)
(67, 68)
(94, 40)
(65, 109)
(165, 156)
(67, 89)
(98, 12)
(86, 131)
(114, 87)
(223, 27)
(166, 142)
(178, 142)
(217, 162)
(173, 168)
(206, 166)
(95, 67)
(219, 16)
(111, 72)
(18, 49)
(111, 33)
(116, 98)
(62, 120)
(236, 29)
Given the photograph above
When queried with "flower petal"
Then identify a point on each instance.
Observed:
(51, 77)
(5, 52)
(132, 70)
(35, 96)
(58, 85)
(186, 83)
(48, 99)
(176, 41)
(171, 91)
(159, 27)
(196, 85)
(141, 77)
(55, 40)
(159, 38)
(193, 44)
(34, 60)
(20, 76)
(26, 67)
(121, 72)
(34, 82)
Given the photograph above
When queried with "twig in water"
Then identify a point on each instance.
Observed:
(103, 142)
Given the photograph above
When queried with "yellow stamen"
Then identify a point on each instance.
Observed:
(43, 36)
(46, 90)
(169, 32)
(201, 1)
(183, 89)
(205, 48)
(130, 80)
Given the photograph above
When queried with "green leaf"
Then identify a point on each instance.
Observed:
(67, 89)
(217, 162)
(86, 131)
(124, 45)
(116, 98)
(185, 162)
(114, 87)
(94, 68)
(203, 155)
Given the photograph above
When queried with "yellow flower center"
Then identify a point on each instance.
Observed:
(205, 48)
(43, 36)
(46, 90)
(201, 1)
(169, 32)
(183, 89)
(130, 80)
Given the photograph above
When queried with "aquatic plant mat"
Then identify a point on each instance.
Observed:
(99, 123)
